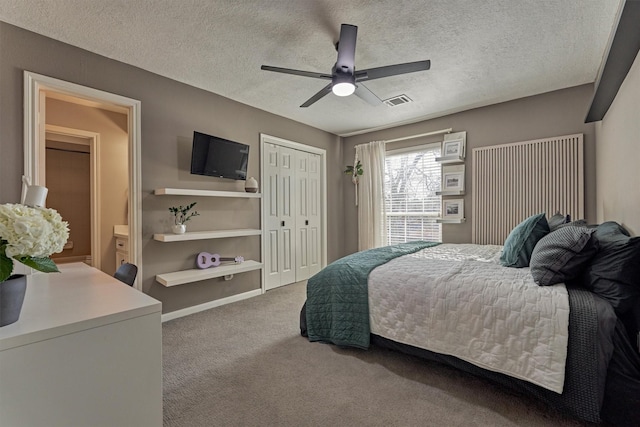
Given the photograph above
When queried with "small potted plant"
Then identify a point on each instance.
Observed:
(181, 216)
(354, 171)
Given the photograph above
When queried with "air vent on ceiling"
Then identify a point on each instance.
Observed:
(397, 100)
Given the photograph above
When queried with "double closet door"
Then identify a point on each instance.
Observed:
(292, 215)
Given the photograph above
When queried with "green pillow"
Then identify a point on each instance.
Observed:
(522, 239)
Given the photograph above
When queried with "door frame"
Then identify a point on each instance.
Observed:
(268, 139)
(92, 139)
(36, 86)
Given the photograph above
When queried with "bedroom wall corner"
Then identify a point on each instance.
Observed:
(618, 156)
(170, 112)
(550, 114)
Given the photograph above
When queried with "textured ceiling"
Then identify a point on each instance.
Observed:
(481, 52)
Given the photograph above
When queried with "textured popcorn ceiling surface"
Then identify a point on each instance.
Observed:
(481, 51)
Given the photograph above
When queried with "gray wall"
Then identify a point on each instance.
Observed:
(618, 156)
(551, 114)
(171, 111)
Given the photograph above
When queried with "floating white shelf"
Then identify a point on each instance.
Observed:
(450, 159)
(450, 221)
(201, 235)
(450, 193)
(195, 275)
(209, 193)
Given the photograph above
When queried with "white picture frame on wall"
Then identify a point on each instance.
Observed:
(454, 148)
(453, 209)
(453, 143)
(453, 178)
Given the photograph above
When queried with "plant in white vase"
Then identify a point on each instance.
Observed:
(181, 216)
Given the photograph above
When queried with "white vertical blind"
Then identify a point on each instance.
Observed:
(412, 178)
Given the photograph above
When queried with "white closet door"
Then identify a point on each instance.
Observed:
(302, 216)
(292, 215)
(279, 219)
(308, 220)
(313, 215)
(286, 200)
(271, 213)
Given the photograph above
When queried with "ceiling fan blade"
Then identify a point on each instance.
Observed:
(297, 72)
(347, 48)
(363, 92)
(325, 90)
(392, 70)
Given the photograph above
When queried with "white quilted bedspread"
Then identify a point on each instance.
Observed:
(457, 299)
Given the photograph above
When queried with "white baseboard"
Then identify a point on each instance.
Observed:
(211, 304)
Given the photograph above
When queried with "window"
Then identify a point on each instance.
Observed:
(412, 178)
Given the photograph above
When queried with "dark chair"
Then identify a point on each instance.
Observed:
(126, 273)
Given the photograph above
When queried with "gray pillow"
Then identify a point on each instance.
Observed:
(614, 272)
(562, 255)
(522, 239)
(557, 220)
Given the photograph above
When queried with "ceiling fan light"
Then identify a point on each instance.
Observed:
(343, 89)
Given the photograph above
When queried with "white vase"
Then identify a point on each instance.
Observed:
(179, 228)
(251, 185)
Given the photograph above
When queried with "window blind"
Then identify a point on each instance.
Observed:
(412, 178)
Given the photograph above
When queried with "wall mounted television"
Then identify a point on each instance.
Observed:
(219, 157)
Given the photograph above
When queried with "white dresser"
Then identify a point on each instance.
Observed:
(86, 351)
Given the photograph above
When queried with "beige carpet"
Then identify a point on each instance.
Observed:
(245, 364)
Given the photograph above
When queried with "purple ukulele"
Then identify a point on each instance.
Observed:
(206, 260)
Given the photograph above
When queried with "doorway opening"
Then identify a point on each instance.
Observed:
(38, 89)
(73, 180)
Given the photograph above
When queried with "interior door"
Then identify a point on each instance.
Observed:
(279, 221)
(302, 215)
(307, 215)
(286, 195)
(314, 216)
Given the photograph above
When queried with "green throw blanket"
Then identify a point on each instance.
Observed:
(337, 305)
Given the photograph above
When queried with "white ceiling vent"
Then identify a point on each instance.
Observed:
(397, 100)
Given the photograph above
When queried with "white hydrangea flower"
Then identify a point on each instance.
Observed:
(33, 232)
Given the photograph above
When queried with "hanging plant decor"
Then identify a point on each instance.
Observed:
(354, 171)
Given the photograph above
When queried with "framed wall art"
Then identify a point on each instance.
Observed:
(453, 209)
(453, 178)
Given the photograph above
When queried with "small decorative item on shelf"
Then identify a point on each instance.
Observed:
(181, 216)
(251, 185)
(206, 260)
(30, 236)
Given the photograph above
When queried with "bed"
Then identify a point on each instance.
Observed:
(550, 314)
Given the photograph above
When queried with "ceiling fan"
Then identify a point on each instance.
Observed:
(345, 80)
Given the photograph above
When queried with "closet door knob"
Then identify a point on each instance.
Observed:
(283, 223)
(306, 222)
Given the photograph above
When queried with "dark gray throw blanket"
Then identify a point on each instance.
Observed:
(337, 297)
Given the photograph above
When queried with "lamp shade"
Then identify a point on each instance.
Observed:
(343, 84)
(343, 89)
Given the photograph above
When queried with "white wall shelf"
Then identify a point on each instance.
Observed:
(450, 159)
(450, 221)
(450, 193)
(195, 275)
(201, 235)
(208, 193)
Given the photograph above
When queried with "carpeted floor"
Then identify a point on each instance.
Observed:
(245, 364)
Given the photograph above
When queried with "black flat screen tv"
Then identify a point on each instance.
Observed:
(213, 156)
